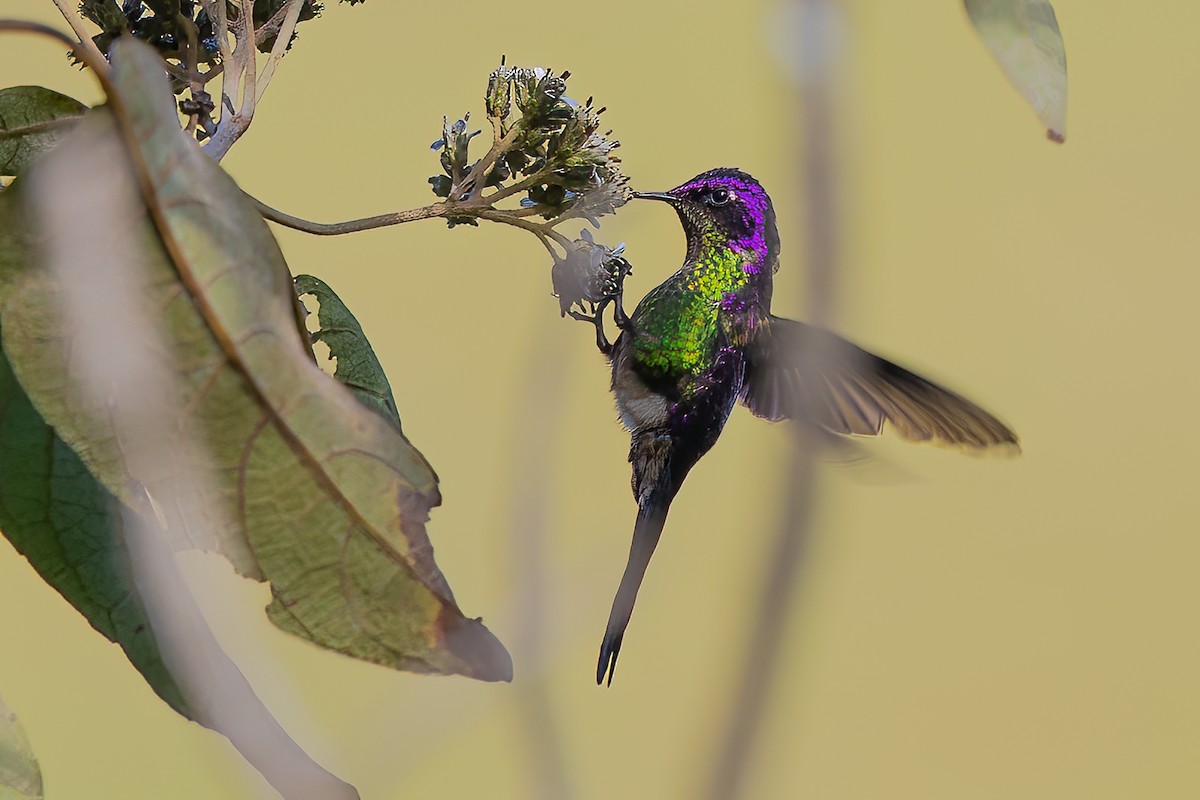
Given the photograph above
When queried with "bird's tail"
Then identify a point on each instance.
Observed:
(658, 469)
(652, 515)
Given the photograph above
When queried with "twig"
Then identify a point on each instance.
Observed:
(816, 34)
(354, 225)
(191, 65)
(71, 15)
(216, 12)
(239, 64)
(245, 36)
(478, 172)
(271, 27)
(519, 186)
(532, 211)
(479, 210)
(280, 47)
(541, 230)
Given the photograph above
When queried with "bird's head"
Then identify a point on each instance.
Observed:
(726, 208)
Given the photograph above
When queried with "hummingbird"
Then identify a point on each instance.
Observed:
(705, 339)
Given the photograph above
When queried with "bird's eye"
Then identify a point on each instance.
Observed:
(719, 197)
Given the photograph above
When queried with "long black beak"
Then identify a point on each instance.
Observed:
(664, 196)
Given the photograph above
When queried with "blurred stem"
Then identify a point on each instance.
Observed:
(816, 34)
(542, 400)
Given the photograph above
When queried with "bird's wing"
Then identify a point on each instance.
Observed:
(795, 371)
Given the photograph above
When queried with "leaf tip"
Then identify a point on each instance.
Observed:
(1058, 137)
(481, 654)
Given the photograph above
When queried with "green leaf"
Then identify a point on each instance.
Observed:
(69, 527)
(1023, 37)
(331, 498)
(32, 120)
(20, 777)
(357, 366)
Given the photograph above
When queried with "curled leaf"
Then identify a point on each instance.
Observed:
(357, 365)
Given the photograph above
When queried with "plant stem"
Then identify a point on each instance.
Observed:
(355, 225)
(479, 171)
(541, 230)
(67, 9)
(475, 209)
(520, 186)
(270, 27)
(280, 47)
(528, 212)
(191, 65)
(245, 37)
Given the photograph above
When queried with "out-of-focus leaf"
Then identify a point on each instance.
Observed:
(23, 269)
(60, 518)
(330, 495)
(1023, 36)
(32, 120)
(20, 777)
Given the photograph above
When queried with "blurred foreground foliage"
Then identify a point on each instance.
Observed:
(20, 776)
(341, 538)
(1023, 37)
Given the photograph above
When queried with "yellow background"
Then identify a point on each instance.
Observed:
(967, 628)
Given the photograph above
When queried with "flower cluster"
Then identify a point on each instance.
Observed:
(550, 153)
(544, 145)
(189, 39)
(453, 147)
(169, 33)
(172, 26)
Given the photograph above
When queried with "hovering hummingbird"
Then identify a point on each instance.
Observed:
(705, 339)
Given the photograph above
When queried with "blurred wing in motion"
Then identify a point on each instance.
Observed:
(847, 390)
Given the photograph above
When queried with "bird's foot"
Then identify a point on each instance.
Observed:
(616, 292)
(596, 319)
(613, 292)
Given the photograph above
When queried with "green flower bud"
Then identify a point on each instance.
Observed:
(498, 99)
